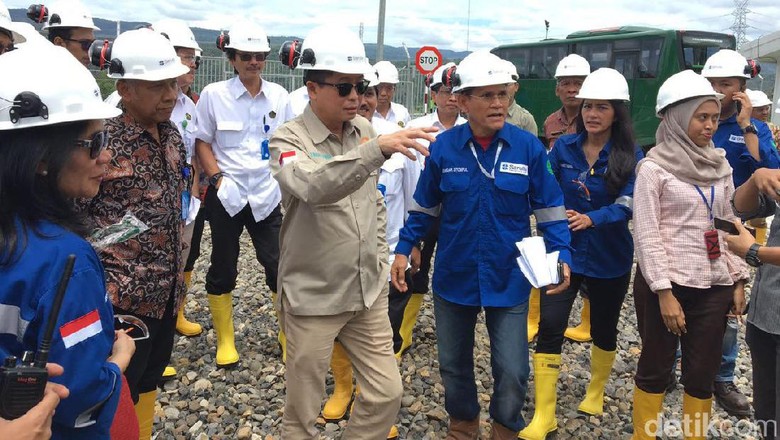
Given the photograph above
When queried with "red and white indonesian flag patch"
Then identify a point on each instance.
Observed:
(81, 329)
(288, 157)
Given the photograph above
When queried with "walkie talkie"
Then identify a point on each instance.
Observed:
(22, 386)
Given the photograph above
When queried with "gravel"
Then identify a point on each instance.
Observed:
(248, 402)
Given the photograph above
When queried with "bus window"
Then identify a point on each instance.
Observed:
(520, 57)
(597, 54)
(626, 64)
(697, 48)
(651, 53)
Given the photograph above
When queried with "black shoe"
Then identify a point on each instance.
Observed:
(731, 400)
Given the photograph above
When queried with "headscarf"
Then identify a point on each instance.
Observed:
(676, 153)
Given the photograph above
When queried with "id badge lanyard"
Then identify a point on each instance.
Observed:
(711, 239)
(492, 174)
(186, 173)
(265, 152)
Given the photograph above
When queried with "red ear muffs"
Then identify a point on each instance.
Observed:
(100, 53)
(37, 13)
(753, 68)
(223, 40)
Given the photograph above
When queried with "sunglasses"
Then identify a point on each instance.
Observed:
(85, 44)
(345, 89)
(134, 327)
(247, 56)
(96, 145)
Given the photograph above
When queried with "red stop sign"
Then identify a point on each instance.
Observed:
(428, 59)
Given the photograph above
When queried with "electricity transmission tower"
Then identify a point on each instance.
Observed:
(739, 27)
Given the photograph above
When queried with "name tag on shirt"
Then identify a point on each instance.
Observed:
(737, 139)
(514, 168)
(566, 165)
(455, 170)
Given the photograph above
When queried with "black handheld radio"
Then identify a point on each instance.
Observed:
(22, 386)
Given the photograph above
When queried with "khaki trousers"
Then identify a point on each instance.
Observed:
(368, 340)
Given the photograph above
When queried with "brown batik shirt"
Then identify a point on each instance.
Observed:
(144, 177)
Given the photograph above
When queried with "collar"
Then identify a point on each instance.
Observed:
(464, 134)
(237, 88)
(318, 131)
(562, 117)
(436, 122)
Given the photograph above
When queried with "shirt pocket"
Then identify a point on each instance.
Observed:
(455, 199)
(511, 194)
(229, 134)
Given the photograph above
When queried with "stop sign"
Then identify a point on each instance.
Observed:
(428, 59)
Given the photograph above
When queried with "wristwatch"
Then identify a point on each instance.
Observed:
(750, 129)
(752, 255)
(214, 179)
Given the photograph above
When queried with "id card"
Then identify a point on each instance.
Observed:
(185, 204)
(713, 244)
(265, 152)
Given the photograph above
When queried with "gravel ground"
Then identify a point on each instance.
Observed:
(247, 402)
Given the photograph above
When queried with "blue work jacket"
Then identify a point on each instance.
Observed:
(730, 137)
(482, 218)
(607, 249)
(84, 333)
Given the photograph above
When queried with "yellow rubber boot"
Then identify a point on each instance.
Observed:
(222, 315)
(581, 333)
(546, 368)
(169, 373)
(393, 430)
(144, 410)
(183, 326)
(698, 412)
(281, 337)
(534, 306)
(645, 414)
(408, 321)
(600, 367)
(336, 407)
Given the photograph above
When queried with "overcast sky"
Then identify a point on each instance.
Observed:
(448, 24)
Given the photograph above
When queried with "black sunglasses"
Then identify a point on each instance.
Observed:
(247, 56)
(85, 44)
(346, 88)
(96, 145)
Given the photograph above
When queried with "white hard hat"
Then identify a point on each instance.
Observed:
(67, 14)
(32, 37)
(436, 77)
(371, 76)
(333, 48)
(247, 37)
(726, 63)
(511, 69)
(7, 25)
(146, 55)
(604, 83)
(34, 94)
(758, 98)
(178, 32)
(480, 69)
(682, 86)
(777, 107)
(572, 65)
(387, 72)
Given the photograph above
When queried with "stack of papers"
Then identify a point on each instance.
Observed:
(539, 267)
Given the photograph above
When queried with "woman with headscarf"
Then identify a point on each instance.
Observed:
(687, 282)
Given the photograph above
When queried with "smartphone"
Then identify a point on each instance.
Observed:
(739, 109)
(726, 226)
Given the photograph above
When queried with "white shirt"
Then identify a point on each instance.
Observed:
(237, 125)
(398, 114)
(183, 117)
(299, 99)
(430, 120)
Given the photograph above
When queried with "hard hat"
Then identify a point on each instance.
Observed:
(33, 38)
(758, 98)
(7, 25)
(331, 48)
(34, 94)
(178, 32)
(144, 54)
(572, 65)
(479, 69)
(436, 77)
(246, 37)
(63, 14)
(682, 86)
(777, 107)
(387, 72)
(726, 63)
(511, 69)
(604, 83)
(371, 76)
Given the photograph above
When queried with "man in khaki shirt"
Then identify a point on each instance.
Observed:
(516, 115)
(333, 255)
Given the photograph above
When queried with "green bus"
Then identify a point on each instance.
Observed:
(645, 56)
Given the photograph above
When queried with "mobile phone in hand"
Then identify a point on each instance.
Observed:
(726, 226)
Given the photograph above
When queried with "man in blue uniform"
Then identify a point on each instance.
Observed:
(483, 180)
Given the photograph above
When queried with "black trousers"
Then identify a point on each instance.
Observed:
(421, 280)
(151, 355)
(702, 345)
(606, 299)
(397, 302)
(765, 355)
(225, 246)
(197, 236)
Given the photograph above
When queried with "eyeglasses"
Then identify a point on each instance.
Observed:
(133, 326)
(247, 56)
(85, 44)
(489, 97)
(386, 87)
(444, 91)
(96, 145)
(346, 88)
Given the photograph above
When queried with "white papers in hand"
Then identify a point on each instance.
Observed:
(539, 267)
